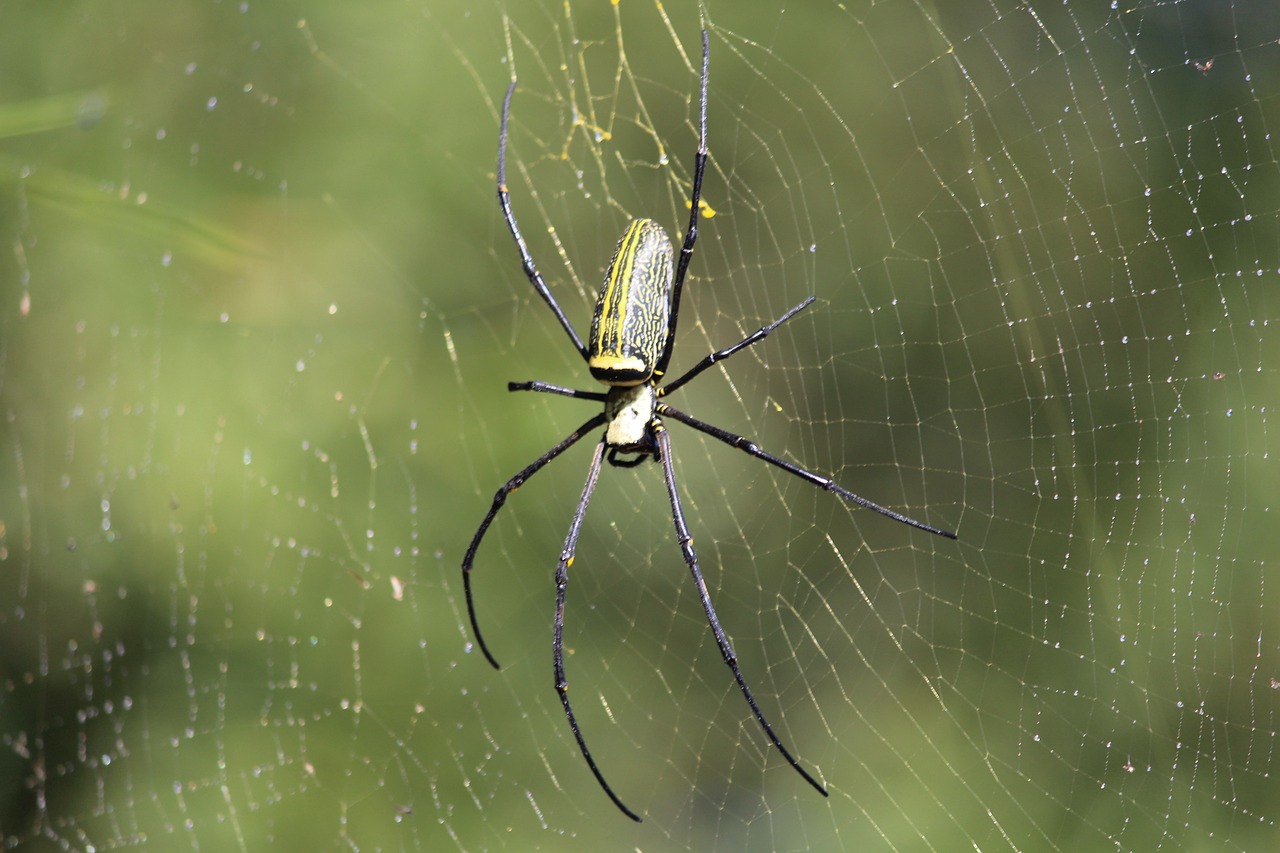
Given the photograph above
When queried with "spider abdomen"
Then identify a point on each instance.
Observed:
(630, 324)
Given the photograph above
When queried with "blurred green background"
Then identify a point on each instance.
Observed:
(257, 314)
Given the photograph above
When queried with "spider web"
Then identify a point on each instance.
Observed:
(259, 309)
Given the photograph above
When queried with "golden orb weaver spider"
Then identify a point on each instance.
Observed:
(633, 330)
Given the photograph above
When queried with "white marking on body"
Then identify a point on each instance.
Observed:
(630, 411)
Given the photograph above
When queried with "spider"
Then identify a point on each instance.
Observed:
(632, 333)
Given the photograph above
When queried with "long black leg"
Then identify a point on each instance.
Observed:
(562, 582)
(686, 251)
(751, 449)
(500, 498)
(548, 388)
(526, 260)
(726, 650)
(719, 355)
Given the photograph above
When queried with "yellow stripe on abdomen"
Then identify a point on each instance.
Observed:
(629, 326)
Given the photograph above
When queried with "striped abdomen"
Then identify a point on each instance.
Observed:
(629, 327)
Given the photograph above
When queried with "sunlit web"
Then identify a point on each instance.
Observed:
(260, 310)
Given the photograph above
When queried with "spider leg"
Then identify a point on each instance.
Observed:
(686, 251)
(562, 582)
(526, 260)
(500, 498)
(751, 449)
(726, 650)
(548, 388)
(719, 355)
